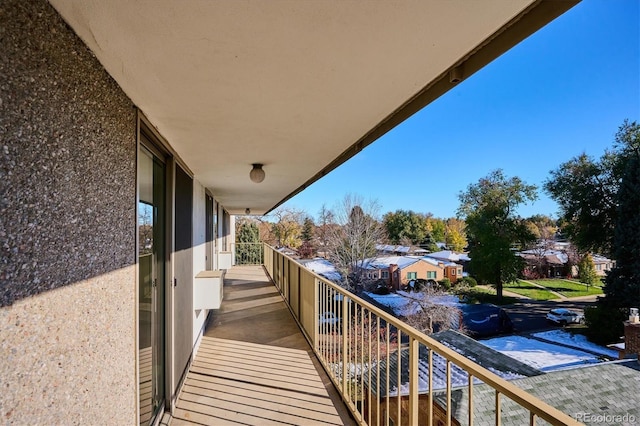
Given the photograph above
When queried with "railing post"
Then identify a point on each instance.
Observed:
(430, 385)
(470, 400)
(413, 380)
(316, 311)
(345, 322)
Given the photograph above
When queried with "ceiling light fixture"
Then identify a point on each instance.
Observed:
(256, 174)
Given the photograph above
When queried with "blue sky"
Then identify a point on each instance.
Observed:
(563, 91)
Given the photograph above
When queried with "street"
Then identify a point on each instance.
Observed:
(529, 315)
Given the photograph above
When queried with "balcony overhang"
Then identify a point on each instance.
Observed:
(299, 86)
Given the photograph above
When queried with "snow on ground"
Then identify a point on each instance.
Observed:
(325, 268)
(406, 304)
(540, 355)
(577, 341)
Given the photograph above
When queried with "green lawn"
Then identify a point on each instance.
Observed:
(599, 282)
(530, 291)
(569, 289)
(484, 295)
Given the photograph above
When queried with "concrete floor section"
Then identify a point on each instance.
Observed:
(254, 366)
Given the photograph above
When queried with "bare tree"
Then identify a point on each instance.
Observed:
(351, 244)
(430, 314)
(287, 227)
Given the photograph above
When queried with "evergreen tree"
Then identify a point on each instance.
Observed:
(622, 286)
(307, 229)
(248, 247)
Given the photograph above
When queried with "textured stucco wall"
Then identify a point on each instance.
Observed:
(67, 228)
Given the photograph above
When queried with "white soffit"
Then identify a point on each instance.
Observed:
(290, 84)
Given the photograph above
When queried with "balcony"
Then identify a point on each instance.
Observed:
(254, 366)
(267, 357)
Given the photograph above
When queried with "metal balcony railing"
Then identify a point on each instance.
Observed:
(248, 253)
(387, 372)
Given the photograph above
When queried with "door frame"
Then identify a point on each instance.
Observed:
(147, 138)
(171, 386)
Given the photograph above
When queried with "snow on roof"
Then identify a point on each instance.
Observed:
(541, 355)
(578, 341)
(450, 255)
(386, 261)
(405, 304)
(597, 258)
(384, 247)
(459, 377)
(324, 268)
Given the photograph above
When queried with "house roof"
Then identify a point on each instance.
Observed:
(299, 86)
(502, 365)
(388, 248)
(552, 256)
(322, 267)
(600, 259)
(606, 389)
(450, 255)
(384, 262)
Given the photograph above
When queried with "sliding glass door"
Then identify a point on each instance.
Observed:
(152, 190)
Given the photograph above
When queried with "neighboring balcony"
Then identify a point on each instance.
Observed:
(384, 371)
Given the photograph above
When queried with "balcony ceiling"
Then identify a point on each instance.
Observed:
(299, 86)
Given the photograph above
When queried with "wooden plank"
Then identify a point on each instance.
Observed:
(265, 380)
(281, 359)
(287, 406)
(215, 415)
(215, 362)
(264, 410)
(184, 416)
(237, 306)
(215, 382)
(254, 292)
(215, 342)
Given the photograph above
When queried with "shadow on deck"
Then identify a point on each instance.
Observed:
(254, 367)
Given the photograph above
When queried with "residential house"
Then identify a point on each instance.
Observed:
(452, 271)
(134, 132)
(397, 271)
(451, 256)
(388, 249)
(602, 264)
(545, 263)
(554, 260)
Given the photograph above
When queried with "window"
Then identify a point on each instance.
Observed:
(453, 271)
(459, 271)
(431, 275)
(412, 275)
(599, 267)
(385, 274)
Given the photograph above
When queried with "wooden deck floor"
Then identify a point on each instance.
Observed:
(254, 367)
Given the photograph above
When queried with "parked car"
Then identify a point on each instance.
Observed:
(564, 316)
(328, 319)
(484, 319)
